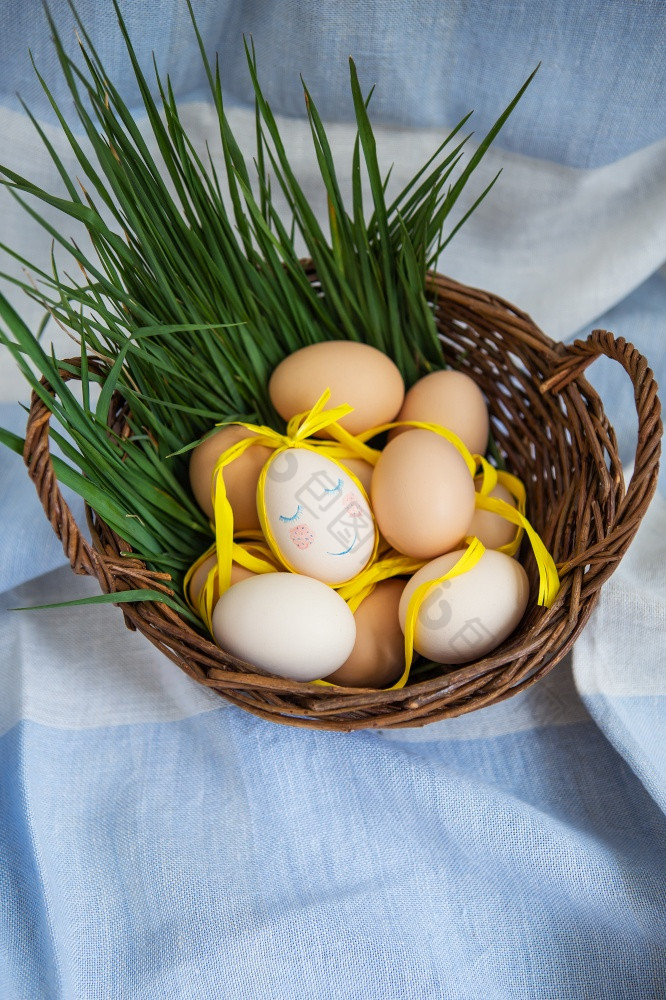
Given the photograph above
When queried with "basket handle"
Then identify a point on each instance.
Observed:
(113, 574)
(632, 507)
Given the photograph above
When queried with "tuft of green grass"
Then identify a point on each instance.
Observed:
(192, 291)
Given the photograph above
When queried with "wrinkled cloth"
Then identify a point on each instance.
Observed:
(156, 841)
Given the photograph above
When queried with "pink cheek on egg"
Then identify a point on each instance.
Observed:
(302, 536)
(352, 506)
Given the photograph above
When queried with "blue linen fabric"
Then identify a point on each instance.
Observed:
(157, 842)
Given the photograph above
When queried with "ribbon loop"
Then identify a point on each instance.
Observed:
(307, 424)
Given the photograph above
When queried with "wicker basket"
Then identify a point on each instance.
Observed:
(550, 425)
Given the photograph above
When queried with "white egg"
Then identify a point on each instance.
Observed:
(467, 616)
(316, 516)
(286, 624)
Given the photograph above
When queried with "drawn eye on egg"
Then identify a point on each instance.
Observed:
(335, 489)
(294, 517)
(317, 520)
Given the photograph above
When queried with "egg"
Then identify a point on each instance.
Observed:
(466, 617)
(422, 494)
(315, 516)
(356, 373)
(361, 469)
(378, 657)
(285, 624)
(200, 576)
(493, 529)
(453, 400)
(240, 477)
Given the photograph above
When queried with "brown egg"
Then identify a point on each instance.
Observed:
(493, 529)
(422, 494)
(356, 374)
(200, 575)
(240, 477)
(361, 469)
(453, 400)
(378, 657)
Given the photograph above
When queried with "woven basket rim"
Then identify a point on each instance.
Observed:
(517, 663)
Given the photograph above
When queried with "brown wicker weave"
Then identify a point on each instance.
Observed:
(550, 425)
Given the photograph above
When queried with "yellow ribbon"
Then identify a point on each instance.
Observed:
(190, 573)
(549, 581)
(490, 477)
(467, 561)
(363, 584)
(470, 460)
(251, 553)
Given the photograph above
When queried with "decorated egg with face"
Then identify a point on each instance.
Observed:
(315, 516)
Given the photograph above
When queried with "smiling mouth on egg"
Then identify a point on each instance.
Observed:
(345, 551)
